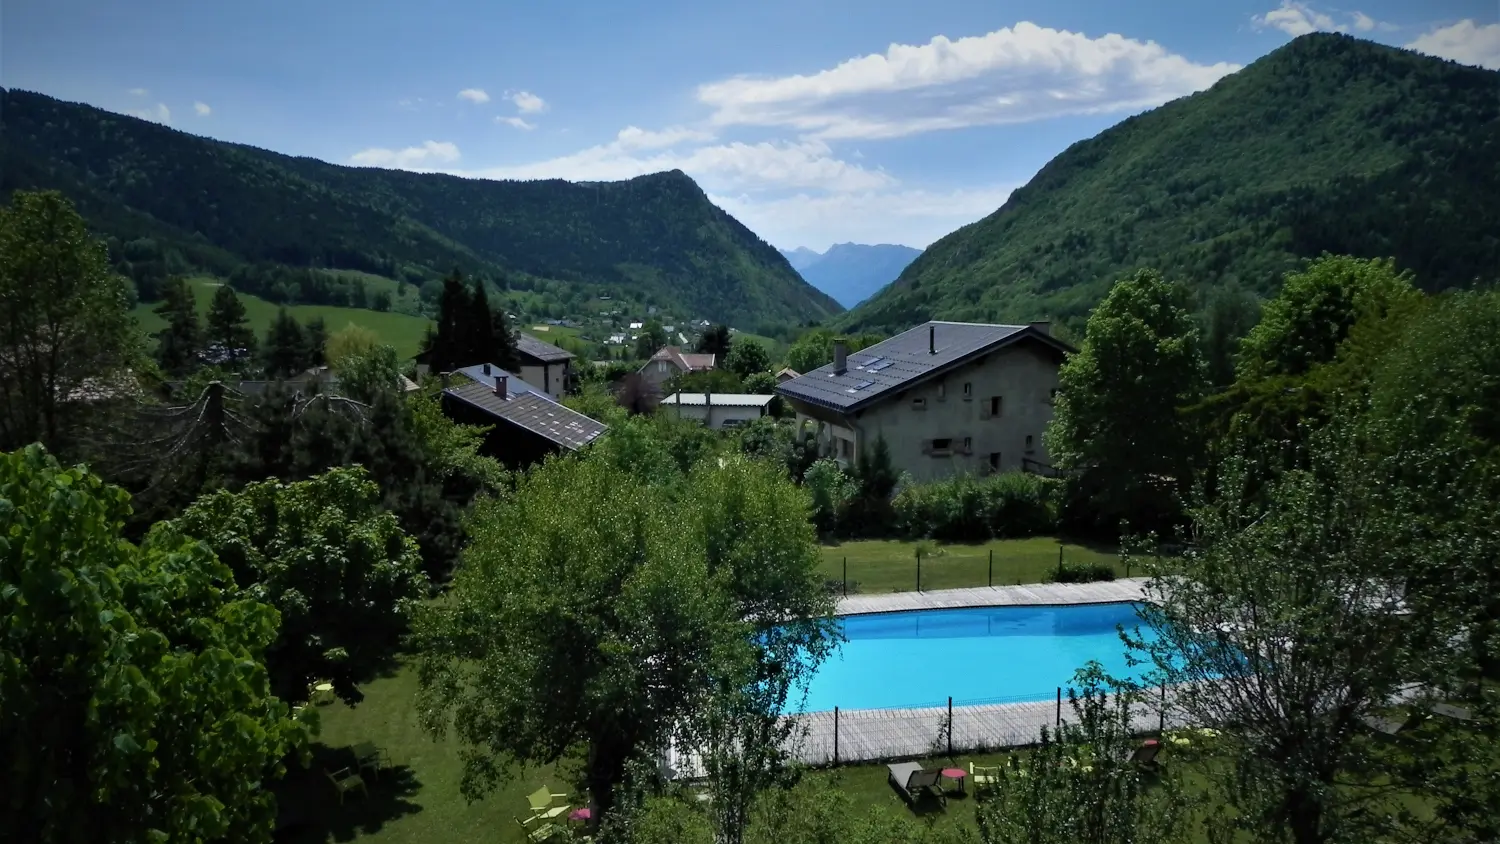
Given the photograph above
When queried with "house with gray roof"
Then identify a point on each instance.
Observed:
(948, 398)
(544, 364)
(526, 424)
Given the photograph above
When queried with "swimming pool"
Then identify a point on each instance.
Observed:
(975, 655)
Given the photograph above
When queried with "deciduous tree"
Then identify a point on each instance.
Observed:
(341, 572)
(133, 696)
(747, 357)
(1116, 416)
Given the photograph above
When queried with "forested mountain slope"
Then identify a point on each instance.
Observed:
(1328, 144)
(222, 205)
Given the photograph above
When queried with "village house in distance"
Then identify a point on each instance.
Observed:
(948, 397)
(525, 423)
(718, 410)
(544, 365)
(672, 361)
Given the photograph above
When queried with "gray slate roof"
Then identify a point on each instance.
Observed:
(514, 386)
(534, 412)
(530, 347)
(901, 361)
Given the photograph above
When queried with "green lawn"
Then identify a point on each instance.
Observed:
(416, 802)
(402, 331)
(891, 566)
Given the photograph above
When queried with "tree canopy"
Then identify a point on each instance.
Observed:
(135, 700)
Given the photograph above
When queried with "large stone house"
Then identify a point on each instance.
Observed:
(672, 361)
(948, 397)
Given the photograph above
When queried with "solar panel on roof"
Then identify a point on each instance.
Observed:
(860, 386)
(870, 364)
(879, 366)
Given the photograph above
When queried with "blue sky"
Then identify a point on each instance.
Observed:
(812, 121)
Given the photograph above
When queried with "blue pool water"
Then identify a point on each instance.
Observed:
(978, 655)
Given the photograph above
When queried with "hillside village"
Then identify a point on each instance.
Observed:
(394, 506)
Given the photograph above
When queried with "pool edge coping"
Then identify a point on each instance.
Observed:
(980, 597)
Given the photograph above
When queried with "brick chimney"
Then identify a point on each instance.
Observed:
(501, 386)
(840, 358)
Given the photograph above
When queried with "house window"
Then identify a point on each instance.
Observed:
(845, 449)
(968, 391)
(995, 460)
(1029, 447)
(996, 404)
(919, 404)
(942, 445)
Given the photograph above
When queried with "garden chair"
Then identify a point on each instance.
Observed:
(541, 805)
(911, 781)
(984, 776)
(544, 832)
(370, 758)
(344, 781)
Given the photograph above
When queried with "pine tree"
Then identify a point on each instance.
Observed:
(178, 343)
(492, 341)
(314, 344)
(447, 345)
(502, 341)
(228, 326)
(285, 348)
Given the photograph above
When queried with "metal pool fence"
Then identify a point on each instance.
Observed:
(948, 727)
(955, 570)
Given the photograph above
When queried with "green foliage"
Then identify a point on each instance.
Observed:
(1303, 609)
(453, 448)
(178, 344)
(651, 339)
(228, 326)
(1079, 783)
(221, 206)
(135, 702)
(66, 331)
(340, 571)
(1116, 414)
(350, 341)
(714, 341)
(1305, 323)
(815, 348)
(830, 490)
(468, 332)
(362, 376)
(747, 357)
(1081, 573)
(1328, 144)
(970, 509)
(284, 353)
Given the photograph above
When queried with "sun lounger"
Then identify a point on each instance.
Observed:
(1448, 710)
(911, 781)
(1383, 725)
(1145, 755)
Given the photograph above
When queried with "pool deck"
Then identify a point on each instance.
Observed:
(1033, 595)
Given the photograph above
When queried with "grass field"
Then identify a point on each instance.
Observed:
(891, 566)
(400, 330)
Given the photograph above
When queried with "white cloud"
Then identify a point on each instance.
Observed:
(518, 122)
(158, 113)
(1296, 19)
(138, 92)
(1465, 42)
(779, 165)
(474, 95)
(913, 217)
(527, 102)
(202, 109)
(1012, 75)
(412, 158)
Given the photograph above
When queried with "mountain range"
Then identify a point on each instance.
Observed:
(851, 272)
(1330, 143)
(218, 206)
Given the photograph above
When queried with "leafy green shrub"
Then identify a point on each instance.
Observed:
(970, 509)
(1081, 573)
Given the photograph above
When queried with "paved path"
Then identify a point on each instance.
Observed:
(1035, 595)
